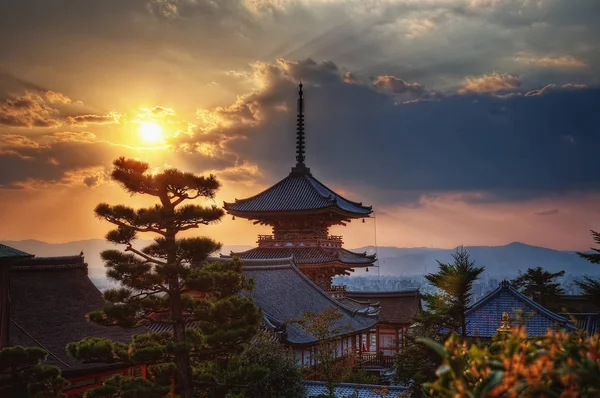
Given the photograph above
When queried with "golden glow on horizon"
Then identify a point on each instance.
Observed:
(151, 132)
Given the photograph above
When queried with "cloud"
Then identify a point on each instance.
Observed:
(490, 83)
(562, 61)
(32, 109)
(552, 87)
(399, 86)
(85, 119)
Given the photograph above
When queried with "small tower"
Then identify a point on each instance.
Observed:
(301, 209)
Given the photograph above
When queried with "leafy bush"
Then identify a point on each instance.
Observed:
(514, 366)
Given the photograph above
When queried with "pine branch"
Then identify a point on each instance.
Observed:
(130, 248)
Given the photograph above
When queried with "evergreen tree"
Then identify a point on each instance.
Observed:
(22, 374)
(589, 286)
(168, 282)
(442, 316)
(539, 285)
(455, 281)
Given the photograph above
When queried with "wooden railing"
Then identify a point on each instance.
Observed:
(315, 241)
(374, 360)
(337, 288)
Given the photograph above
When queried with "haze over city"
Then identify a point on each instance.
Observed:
(461, 122)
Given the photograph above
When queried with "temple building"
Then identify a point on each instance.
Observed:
(488, 314)
(300, 209)
(44, 302)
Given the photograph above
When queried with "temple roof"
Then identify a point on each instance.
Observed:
(396, 307)
(298, 192)
(483, 318)
(284, 293)
(50, 297)
(7, 252)
(307, 255)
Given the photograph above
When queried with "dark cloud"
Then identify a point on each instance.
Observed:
(26, 161)
(85, 119)
(496, 148)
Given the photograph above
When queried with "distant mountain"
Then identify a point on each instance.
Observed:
(498, 260)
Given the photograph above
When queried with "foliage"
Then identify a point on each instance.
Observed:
(443, 315)
(538, 284)
(330, 367)
(169, 282)
(22, 374)
(268, 369)
(589, 286)
(360, 376)
(513, 366)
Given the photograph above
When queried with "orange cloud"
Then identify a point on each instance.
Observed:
(490, 83)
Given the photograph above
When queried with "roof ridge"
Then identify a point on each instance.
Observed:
(315, 180)
(520, 296)
(258, 194)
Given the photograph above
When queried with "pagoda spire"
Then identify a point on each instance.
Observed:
(300, 129)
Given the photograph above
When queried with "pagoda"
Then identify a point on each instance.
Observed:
(301, 209)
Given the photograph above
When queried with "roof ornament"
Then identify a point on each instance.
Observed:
(300, 128)
(504, 323)
(504, 283)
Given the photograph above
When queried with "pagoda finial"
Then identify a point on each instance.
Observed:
(300, 128)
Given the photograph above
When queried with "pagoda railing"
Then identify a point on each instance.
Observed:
(301, 241)
(336, 291)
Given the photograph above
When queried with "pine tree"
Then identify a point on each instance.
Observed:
(169, 282)
(455, 281)
(538, 284)
(23, 375)
(589, 286)
(443, 315)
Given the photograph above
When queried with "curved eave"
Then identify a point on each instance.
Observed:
(257, 215)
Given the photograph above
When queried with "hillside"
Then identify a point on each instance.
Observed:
(498, 260)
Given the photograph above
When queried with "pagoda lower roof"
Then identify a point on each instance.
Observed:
(298, 192)
(308, 255)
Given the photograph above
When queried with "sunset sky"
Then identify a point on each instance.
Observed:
(470, 122)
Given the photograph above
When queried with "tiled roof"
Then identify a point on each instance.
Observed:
(284, 293)
(7, 252)
(307, 255)
(397, 307)
(483, 318)
(299, 191)
(347, 390)
(49, 303)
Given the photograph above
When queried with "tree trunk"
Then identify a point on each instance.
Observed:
(182, 358)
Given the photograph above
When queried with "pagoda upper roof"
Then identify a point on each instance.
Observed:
(298, 192)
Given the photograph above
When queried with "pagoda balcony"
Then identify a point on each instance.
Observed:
(336, 291)
(333, 241)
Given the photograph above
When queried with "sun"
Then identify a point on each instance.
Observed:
(150, 132)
